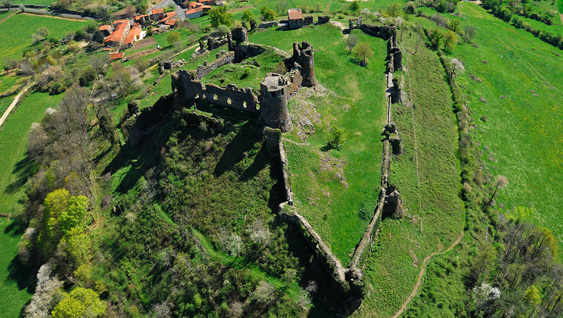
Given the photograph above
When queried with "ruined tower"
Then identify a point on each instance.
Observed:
(303, 54)
(273, 102)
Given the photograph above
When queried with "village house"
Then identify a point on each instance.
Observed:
(141, 19)
(194, 13)
(106, 29)
(295, 18)
(116, 38)
(169, 19)
(157, 14)
(133, 36)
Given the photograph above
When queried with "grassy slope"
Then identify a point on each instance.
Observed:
(13, 141)
(390, 270)
(328, 203)
(15, 33)
(522, 132)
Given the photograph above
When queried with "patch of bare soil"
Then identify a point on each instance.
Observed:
(335, 166)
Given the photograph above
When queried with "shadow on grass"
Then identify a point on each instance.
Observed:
(25, 277)
(16, 228)
(24, 169)
(237, 150)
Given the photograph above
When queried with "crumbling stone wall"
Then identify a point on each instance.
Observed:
(303, 55)
(187, 90)
(244, 51)
(239, 34)
(223, 58)
(323, 19)
(380, 31)
(308, 20)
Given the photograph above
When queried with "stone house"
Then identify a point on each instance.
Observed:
(295, 18)
(116, 38)
(157, 14)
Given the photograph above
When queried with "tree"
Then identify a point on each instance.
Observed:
(247, 16)
(282, 6)
(393, 10)
(81, 302)
(501, 182)
(336, 138)
(351, 42)
(173, 37)
(363, 51)
(436, 37)
(468, 33)
(220, 16)
(10, 64)
(62, 213)
(454, 25)
(355, 6)
(450, 40)
(98, 62)
(267, 14)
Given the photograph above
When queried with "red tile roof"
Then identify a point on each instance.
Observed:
(171, 22)
(295, 14)
(158, 11)
(116, 56)
(105, 27)
(133, 34)
(117, 35)
(195, 10)
(169, 15)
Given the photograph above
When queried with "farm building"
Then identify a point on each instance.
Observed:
(295, 17)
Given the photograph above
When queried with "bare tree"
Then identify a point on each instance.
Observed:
(501, 182)
(351, 42)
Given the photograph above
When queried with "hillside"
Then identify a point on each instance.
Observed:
(340, 159)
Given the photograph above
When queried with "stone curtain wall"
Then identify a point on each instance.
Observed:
(188, 90)
(223, 58)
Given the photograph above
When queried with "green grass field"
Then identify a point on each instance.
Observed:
(330, 186)
(520, 127)
(38, 2)
(14, 171)
(427, 180)
(15, 32)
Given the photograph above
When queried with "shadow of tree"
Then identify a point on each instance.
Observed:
(24, 169)
(25, 277)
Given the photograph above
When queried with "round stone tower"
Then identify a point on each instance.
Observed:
(273, 102)
(304, 55)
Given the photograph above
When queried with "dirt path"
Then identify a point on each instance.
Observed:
(421, 274)
(13, 104)
(52, 16)
(10, 15)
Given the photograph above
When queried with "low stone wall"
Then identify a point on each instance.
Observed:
(294, 81)
(187, 90)
(223, 58)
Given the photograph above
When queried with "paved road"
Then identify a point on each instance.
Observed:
(179, 11)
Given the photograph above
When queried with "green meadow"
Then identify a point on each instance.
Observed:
(16, 168)
(17, 30)
(426, 175)
(519, 123)
(330, 185)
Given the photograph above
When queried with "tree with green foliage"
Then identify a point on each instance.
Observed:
(220, 16)
(363, 51)
(454, 25)
(336, 136)
(450, 40)
(436, 35)
(267, 14)
(393, 10)
(355, 6)
(80, 303)
(78, 245)
(173, 37)
(501, 182)
(62, 213)
(247, 16)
